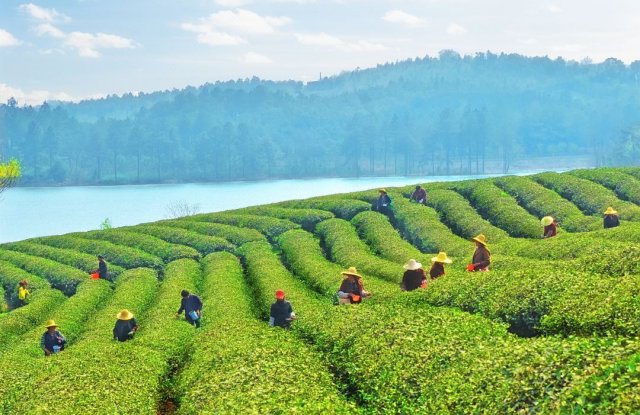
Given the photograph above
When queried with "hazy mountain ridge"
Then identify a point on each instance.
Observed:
(446, 115)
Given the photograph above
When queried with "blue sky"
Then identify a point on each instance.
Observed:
(72, 49)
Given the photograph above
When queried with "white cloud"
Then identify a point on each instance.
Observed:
(219, 39)
(232, 3)
(398, 16)
(324, 39)
(208, 36)
(49, 29)
(40, 13)
(85, 44)
(456, 30)
(35, 97)
(222, 28)
(245, 21)
(7, 39)
(554, 8)
(256, 58)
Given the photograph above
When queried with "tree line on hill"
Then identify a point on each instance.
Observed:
(449, 114)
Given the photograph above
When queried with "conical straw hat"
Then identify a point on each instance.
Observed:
(125, 315)
(481, 238)
(442, 258)
(546, 221)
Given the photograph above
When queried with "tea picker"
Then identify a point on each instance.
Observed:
(126, 326)
(192, 307)
(414, 276)
(611, 219)
(23, 292)
(281, 312)
(52, 340)
(351, 290)
(550, 227)
(437, 268)
(482, 256)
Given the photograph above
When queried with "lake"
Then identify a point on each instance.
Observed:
(27, 212)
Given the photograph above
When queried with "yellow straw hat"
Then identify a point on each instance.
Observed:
(125, 315)
(610, 211)
(352, 271)
(50, 323)
(442, 258)
(546, 221)
(382, 190)
(481, 239)
(412, 265)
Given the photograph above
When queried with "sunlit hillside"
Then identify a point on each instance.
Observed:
(551, 328)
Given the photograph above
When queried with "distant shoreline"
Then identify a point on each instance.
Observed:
(520, 167)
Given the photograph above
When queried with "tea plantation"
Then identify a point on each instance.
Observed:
(552, 328)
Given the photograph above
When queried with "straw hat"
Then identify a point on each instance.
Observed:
(279, 294)
(50, 323)
(125, 315)
(481, 239)
(382, 190)
(442, 258)
(412, 265)
(546, 221)
(352, 271)
(610, 211)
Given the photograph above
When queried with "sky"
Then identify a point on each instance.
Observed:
(77, 49)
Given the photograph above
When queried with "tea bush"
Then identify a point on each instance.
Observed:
(270, 227)
(120, 255)
(466, 364)
(422, 227)
(625, 186)
(203, 244)
(307, 218)
(303, 254)
(500, 209)
(376, 230)
(20, 320)
(462, 345)
(590, 197)
(540, 202)
(460, 217)
(253, 368)
(92, 373)
(346, 248)
(62, 277)
(11, 275)
(147, 243)
(343, 208)
(85, 262)
(233, 234)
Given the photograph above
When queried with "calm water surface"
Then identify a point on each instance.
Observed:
(38, 211)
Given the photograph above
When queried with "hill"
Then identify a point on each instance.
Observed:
(434, 115)
(552, 328)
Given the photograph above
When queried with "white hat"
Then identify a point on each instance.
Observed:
(412, 265)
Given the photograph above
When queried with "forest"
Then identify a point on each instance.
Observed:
(436, 115)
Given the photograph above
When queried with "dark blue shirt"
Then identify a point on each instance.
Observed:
(190, 303)
(50, 340)
(123, 328)
(281, 312)
(102, 269)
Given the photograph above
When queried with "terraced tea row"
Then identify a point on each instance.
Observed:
(252, 368)
(444, 349)
(495, 373)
